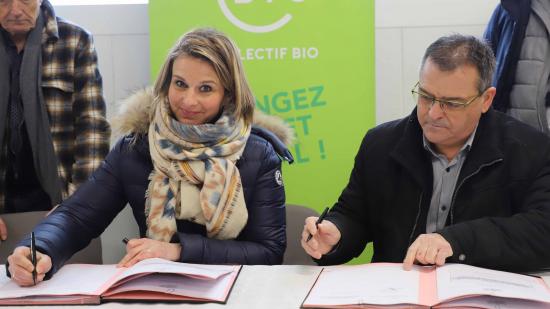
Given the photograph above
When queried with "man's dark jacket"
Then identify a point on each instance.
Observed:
(500, 212)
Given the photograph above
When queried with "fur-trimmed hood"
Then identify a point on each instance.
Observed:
(134, 115)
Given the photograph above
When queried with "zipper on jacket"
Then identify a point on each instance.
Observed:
(462, 182)
(416, 220)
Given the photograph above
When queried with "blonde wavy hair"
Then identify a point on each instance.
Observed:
(221, 52)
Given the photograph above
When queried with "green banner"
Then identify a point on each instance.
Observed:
(309, 61)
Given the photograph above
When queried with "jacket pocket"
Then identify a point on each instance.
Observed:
(505, 185)
(58, 90)
(58, 83)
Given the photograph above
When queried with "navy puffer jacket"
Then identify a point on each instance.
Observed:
(123, 178)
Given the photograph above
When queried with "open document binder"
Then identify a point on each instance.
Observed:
(387, 285)
(151, 279)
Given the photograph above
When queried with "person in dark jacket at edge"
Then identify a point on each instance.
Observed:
(455, 181)
(519, 34)
(204, 184)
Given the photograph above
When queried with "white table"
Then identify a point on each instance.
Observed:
(282, 286)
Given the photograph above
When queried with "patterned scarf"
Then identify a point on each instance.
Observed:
(195, 177)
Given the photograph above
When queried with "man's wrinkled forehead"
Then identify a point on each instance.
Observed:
(21, 3)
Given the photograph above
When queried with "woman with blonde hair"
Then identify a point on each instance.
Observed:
(203, 181)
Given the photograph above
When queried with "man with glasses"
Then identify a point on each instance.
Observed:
(455, 181)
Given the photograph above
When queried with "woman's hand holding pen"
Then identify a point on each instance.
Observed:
(145, 248)
(21, 267)
(324, 236)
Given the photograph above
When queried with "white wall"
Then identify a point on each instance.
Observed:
(404, 28)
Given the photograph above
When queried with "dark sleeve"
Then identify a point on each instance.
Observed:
(85, 215)
(349, 214)
(492, 31)
(519, 242)
(263, 240)
(92, 131)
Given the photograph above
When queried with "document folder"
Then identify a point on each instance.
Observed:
(149, 280)
(387, 285)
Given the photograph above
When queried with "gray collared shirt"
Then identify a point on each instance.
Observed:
(445, 176)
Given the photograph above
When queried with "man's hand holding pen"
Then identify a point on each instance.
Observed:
(21, 266)
(319, 236)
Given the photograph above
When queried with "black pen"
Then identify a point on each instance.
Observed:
(125, 240)
(33, 257)
(319, 220)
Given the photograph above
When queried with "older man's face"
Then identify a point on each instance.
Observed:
(448, 130)
(18, 17)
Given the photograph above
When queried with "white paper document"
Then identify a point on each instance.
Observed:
(366, 284)
(457, 280)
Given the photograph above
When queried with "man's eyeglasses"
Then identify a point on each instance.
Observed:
(427, 100)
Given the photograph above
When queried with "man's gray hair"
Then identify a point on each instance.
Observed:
(452, 51)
